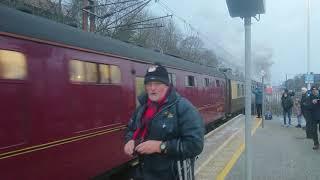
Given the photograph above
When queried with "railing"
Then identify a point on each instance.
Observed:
(273, 102)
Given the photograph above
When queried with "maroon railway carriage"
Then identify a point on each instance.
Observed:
(66, 97)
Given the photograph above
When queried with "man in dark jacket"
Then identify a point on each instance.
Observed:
(166, 131)
(305, 105)
(315, 113)
(258, 100)
(286, 103)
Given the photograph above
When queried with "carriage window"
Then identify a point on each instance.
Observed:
(77, 73)
(212, 82)
(83, 71)
(109, 74)
(139, 88)
(172, 79)
(115, 74)
(13, 65)
(238, 90)
(104, 73)
(206, 82)
(91, 72)
(242, 88)
(218, 83)
(190, 81)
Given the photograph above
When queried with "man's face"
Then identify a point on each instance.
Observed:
(156, 90)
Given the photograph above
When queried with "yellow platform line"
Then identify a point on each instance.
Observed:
(225, 171)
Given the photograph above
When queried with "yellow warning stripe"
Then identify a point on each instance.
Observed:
(59, 142)
(225, 171)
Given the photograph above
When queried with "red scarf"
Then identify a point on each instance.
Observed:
(151, 109)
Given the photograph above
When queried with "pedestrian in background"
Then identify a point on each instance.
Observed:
(286, 103)
(297, 111)
(305, 104)
(315, 113)
(258, 101)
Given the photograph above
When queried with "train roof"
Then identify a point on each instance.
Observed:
(234, 77)
(17, 22)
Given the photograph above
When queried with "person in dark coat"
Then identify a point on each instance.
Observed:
(315, 114)
(166, 131)
(258, 100)
(286, 103)
(305, 104)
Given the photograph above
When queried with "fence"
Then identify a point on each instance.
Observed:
(273, 102)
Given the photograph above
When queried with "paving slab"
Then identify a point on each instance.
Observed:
(280, 153)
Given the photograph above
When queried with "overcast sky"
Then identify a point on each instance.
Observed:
(281, 30)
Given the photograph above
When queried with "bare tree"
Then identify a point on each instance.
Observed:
(118, 16)
(164, 38)
(208, 57)
(126, 20)
(191, 47)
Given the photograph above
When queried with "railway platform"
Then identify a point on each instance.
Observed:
(222, 148)
(279, 153)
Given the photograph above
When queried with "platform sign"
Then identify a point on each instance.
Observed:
(309, 78)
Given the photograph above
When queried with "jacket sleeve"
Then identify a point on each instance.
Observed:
(132, 126)
(314, 107)
(191, 132)
(307, 105)
(290, 103)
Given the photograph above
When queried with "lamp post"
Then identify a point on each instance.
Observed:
(248, 145)
(263, 102)
(308, 42)
(247, 9)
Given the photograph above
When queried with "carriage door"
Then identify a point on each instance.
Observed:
(228, 96)
(13, 95)
(140, 71)
(139, 88)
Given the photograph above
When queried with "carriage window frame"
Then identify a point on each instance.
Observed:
(190, 81)
(212, 82)
(139, 88)
(79, 72)
(106, 74)
(93, 73)
(8, 70)
(115, 74)
(206, 82)
(242, 89)
(218, 83)
(172, 78)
